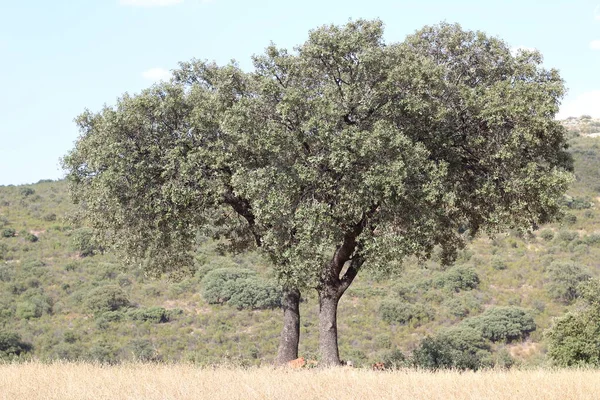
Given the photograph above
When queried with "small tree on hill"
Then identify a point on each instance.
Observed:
(574, 339)
(344, 154)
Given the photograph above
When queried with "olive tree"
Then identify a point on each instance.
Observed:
(346, 153)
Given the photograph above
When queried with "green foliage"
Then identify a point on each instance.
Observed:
(574, 339)
(547, 234)
(564, 279)
(240, 288)
(26, 191)
(395, 359)
(8, 232)
(502, 323)
(82, 240)
(459, 348)
(401, 312)
(12, 346)
(34, 306)
(458, 278)
(30, 237)
(106, 298)
(153, 314)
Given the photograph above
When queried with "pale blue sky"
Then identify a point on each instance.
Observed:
(58, 57)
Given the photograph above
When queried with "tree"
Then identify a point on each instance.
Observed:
(574, 339)
(346, 153)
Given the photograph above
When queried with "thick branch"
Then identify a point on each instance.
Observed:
(243, 208)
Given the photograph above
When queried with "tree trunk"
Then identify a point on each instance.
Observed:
(328, 343)
(290, 334)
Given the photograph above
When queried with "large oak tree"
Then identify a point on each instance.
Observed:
(344, 154)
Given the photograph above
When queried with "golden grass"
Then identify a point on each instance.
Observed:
(67, 381)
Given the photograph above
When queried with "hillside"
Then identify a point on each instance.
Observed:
(68, 300)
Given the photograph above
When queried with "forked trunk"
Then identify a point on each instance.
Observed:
(328, 342)
(290, 334)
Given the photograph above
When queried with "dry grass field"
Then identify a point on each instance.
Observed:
(70, 381)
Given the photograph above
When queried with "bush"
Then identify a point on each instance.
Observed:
(30, 237)
(547, 235)
(566, 236)
(564, 279)
(458, 348)
(400, 312)
(254, 293)
(458, 278)
(12, 346)
(574, 339)
(106, 298)
(395, 359)
(8, 232)
(219, 284)
(26, 191)
(154, 314)
(240, 288)
(83, 241)
(34, 307)
(502, 323)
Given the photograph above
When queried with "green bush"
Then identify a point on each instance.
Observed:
(83, 241)
(566, 236)
(34, 307)
(502, 323)
(240, 288)
(395, 359)
(12, 346)
(458, 278)
(574, 339)
(564, 279)
(254, 293)
(401, 312)
(218, 285)
(8, 232)
(455, 348)
(30, 237)
(106, 298)
(153, 314)
(26, 191)
(547, 234)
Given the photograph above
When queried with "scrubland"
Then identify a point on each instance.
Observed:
(70, 381)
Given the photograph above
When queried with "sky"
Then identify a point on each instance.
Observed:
(60, 57)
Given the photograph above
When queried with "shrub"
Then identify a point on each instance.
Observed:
(83, 241)
(566, 236)
(8, 232)
(30, 237)
(395, 359)
(254, 293)
(498, 264)
(400, 312)
(106, 298)
(34, 307)
(240, 288)
(458, 278)
(547, 235)
(502, 323)
(574, 339)
(49, 217)
(153, 314)
(6, 273)
(564, 279)
(26, 191)
(12, 346)
(459, 347)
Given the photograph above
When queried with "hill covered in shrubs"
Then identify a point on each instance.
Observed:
(62, 296)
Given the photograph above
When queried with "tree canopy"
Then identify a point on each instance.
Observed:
(344, 152)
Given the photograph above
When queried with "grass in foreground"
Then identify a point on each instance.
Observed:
(66, 381)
